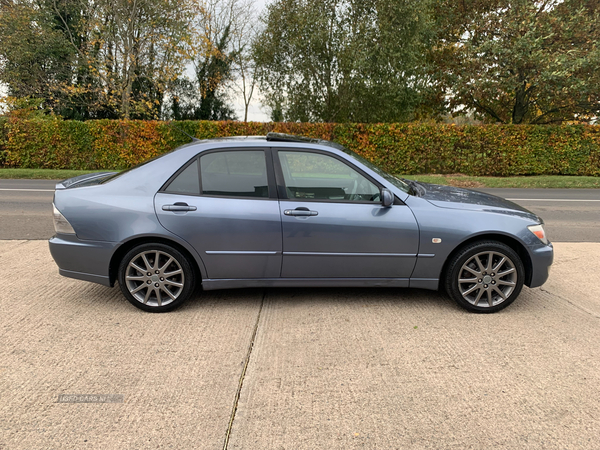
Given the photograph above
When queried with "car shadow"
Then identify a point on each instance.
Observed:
(112, 299)
(399, 297)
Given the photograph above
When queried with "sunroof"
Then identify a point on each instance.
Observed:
(282, 137)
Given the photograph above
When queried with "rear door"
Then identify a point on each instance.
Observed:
(224, 204)
(334, 225)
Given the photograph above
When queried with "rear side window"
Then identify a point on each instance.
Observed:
(186, 182)
(234, 174)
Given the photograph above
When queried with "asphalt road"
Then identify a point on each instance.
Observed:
(26, 209)
(571, 215)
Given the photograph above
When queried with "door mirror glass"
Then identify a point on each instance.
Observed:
(387, 198)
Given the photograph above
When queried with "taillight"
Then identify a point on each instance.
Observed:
(61, 224)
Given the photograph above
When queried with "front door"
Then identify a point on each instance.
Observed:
(334, 225)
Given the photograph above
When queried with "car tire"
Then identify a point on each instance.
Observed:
(156, 277)
(485, 276)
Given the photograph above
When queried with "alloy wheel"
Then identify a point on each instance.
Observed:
(487, 279)
(154, 278)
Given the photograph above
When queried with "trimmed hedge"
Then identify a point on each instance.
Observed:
(412, 148)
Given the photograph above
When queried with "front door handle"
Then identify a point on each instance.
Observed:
(179, 206)
(300, 212)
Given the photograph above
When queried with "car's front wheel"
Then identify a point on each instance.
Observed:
(156, 277)
(485, 276)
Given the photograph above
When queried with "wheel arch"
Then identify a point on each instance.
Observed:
(513, 243)
(122, 250)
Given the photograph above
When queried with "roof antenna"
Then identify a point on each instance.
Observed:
(170, 122)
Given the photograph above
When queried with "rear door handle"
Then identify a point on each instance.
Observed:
(300, 212)
(179, 206)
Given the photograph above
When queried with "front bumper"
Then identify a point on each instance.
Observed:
(541, 260)
(82, 260)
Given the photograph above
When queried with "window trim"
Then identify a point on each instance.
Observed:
(281, 186)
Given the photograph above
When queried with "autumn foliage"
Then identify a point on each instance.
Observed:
(412, 148)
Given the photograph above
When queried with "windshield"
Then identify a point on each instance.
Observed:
(392, 179)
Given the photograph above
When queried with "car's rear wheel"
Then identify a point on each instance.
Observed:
(156, 277)
(485, 276)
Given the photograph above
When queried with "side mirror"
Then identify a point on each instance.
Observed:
(387, 198)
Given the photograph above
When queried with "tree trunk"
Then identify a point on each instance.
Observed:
(125, 101)
(521, 104)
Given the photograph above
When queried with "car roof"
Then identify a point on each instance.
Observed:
(274, 137)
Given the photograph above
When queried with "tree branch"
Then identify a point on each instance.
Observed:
(72, 41)
(538, 119)
(486, 109)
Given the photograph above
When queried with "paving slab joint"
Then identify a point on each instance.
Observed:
(243, 374)
(575, 305)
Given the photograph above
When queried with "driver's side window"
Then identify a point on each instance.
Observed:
(314, 176)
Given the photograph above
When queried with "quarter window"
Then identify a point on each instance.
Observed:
(234, 174)
(321, 177)
(186, 182)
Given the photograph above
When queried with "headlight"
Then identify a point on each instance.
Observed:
(61, 224)
(538, 230)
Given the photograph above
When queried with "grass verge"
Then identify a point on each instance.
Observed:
(543, 181)
(43, 174)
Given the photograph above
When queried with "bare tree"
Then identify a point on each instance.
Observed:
(244, 69)
(227, 27)
(129, 41)
(126, 58)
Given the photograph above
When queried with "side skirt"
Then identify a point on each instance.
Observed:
(425, 283)
(212, 284)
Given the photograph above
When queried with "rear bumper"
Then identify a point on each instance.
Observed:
(541, 260)
(82, 260)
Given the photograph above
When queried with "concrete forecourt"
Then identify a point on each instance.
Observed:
(297, 368)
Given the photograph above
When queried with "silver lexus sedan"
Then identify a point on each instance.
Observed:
(289, 212)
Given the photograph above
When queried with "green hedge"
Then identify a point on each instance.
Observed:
(413, 148)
